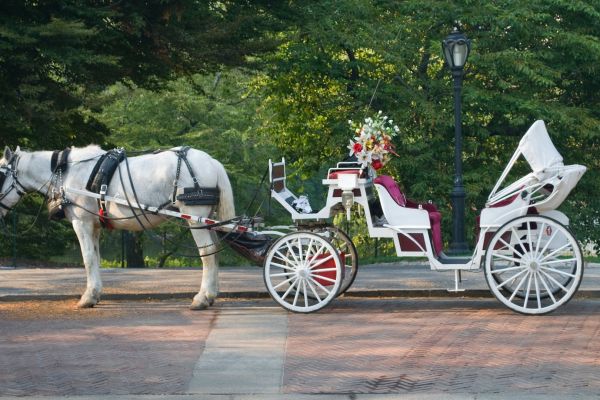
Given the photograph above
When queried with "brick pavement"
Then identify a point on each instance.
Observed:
(444, 346)
(378, 346)
(53, 349)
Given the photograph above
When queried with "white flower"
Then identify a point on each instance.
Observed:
(364, 158)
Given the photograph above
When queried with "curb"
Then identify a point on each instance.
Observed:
(253, 295)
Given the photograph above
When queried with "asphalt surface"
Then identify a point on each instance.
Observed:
(398, 334)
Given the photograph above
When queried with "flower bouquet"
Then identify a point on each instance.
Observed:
(372, 142)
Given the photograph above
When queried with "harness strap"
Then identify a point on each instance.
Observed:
(182, 155)
(101, 176)
(59, 160)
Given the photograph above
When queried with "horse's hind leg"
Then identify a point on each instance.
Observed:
(210, 270)
(88, 234)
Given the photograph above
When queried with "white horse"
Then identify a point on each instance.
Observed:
(153, 177)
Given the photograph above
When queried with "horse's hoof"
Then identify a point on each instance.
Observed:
(86, 303)
(198, 305)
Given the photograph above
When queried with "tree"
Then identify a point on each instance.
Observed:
(54, 54)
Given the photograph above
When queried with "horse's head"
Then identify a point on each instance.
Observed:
(11, 190)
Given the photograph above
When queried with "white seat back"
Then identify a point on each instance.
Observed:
(399, 216)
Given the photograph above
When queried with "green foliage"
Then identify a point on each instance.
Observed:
(216, 114)
(529, 60)
(53, 54)
(36, 238)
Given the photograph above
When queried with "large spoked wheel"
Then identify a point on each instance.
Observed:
(533, 265)
(303, 272)
(348, 254)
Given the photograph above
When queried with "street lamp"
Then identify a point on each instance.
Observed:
(456, 48)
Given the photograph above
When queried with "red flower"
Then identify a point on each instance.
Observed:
(357, 148)
(377, 164)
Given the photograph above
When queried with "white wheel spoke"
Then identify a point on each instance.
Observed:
(529, 236)
(315, 255)
(511, 278)
(312, 289)
(305, 294)
(281, 274)
(283, 283)
(536, 251)
(528, 289)
(558, 271)
(507, 258)
(289, 289)
(300, 253)
(318, 271)
(323, 278)
(499, 271)
(296, 294)
(319, 285)
(286, 258)
(554, 280)
(537, 290)
(309, 248)
(547, 288)
(511, 247)
(518, 287)
(558, 261)
(274, 264)
(522, 252)
(555, 252)
(321, 261)
(548, 242)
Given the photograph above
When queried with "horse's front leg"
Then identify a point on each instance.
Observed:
(210, 270)
(88, 234)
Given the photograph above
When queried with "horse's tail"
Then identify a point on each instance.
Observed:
(226, 207)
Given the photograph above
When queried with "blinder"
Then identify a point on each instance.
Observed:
(5, 171)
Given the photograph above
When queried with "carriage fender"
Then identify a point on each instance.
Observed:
(557, 216)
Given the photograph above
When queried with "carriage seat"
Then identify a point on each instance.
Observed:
(435, 217)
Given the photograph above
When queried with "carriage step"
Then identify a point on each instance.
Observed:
(445, 259)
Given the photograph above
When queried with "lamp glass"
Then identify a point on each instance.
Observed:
(459, 54)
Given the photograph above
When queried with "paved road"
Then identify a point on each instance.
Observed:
(355, 349)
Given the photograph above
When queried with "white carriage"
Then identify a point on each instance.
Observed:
(532, 262)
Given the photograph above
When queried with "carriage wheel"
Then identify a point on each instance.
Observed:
(299, 264)
(342, 242)
(533, 265)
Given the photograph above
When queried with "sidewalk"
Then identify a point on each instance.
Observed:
(382, 280)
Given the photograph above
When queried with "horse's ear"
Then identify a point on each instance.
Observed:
(7, 153)
(18, 149)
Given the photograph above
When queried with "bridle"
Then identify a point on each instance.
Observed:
(10, 169)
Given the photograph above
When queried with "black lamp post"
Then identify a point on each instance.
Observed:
(456, 48)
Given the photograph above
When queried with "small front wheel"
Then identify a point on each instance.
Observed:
(303, 272)
(533, 264)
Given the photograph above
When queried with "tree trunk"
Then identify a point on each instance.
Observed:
(134, 252)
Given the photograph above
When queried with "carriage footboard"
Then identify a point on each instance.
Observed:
(253, 246)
